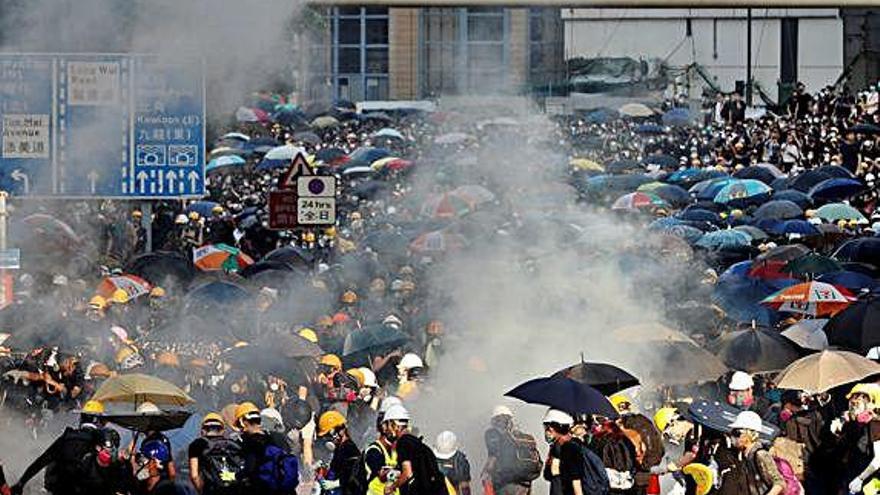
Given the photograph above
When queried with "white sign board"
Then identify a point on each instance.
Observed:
(315, 211)
(25, 136)
(93, 83)
(323, 186)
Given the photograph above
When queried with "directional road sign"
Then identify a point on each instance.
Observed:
(119, 126)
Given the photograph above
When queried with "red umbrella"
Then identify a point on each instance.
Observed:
(811, 298)
(769, 270)
(446, 205)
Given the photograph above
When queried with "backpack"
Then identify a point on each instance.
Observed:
(73, 463)
(617, 455)
(222, 465)
(651, 438)
(595, 480)
(428, 480)
(279, 471)
(524, 463)
(455, 468)
(358, 482)
(792, 485)
(792, 451)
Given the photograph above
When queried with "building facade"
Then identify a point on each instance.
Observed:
(377, 53)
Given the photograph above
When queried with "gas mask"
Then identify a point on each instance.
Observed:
(741, 399)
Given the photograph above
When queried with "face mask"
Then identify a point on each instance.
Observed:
(549, 438)
(864, 417)
(143, 472)
(857, 408)
(785, 415)
(273, 387)
(104, 457)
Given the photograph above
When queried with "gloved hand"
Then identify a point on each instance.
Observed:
(329, 485)
(855, 486)
(837, 426)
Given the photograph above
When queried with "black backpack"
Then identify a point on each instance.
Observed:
(595, 480)
(359, 481)
(522, 462)
(428, 479)
(651, 437)
(222, 466)
(455, 468)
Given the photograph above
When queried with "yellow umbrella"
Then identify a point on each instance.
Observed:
(825, 370)
(586, 164)
(139, 388)
(702, 475)
(636, 110)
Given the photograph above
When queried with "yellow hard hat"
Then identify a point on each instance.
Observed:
(244, 409)
(93, 407)
(702, 476)
(309, 334)
(330, 421)
(309, 237)
(349, 297)
(664, 416)
(193, 215)
(124, 353)
(157, 292)
(213, 418)
(872, 390)
(330, 232)
(119, 296)
(358, 375)
(217, 209)
(137, 214)
(98, 302)
(331, 360)
(618, 399)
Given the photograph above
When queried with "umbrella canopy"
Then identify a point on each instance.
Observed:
(670, 193)
(810, 298)
(862, 250)
(586, 164)
(606, 378)
(677, 117)
(754, 232)
(373, 339)
(279, 157)
(445, 206)
(855, 328)
(292, 255)
(854, 281)
(635, 110)
(137, 388)
(203, 208)
(220, 257)
(836, 189)
(160, 267)
(235, 136)
(762, 174)
(224, 162)
(808, 334)
(45, 226)
(779, 209)
(706, 190)
(438, 241)
(823, 371)
(637, 201)
(755, 350)
(454, 138)
(331, 155)
(797, 197)
(788, 227)
(309, 138)
(742, 190)
(391, 163)
(811, 264)
(325, 122)
(721, 240)
(147, 422)
(649, 129)
(699, 215)
(367, 155)
(694, 364)
(622, 166)
(719, 416)
(785, 252)
(388, 133)
(834, 212)
(565, 395)
(132, 285)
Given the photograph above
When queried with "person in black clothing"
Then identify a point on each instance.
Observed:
(213, 433)
(419, 472)
(849, 152)
(254, 442)
(346, 454)
(63, 460)
(734, 111)
(568, 467)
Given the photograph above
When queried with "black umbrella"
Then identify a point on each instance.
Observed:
(755, 350)
(862, 250)
(799, 198)
(758, 173)
(622, 166)
(373, 340)
(807, 180)
(786, 253)
(606, 378)
(291, 255)
(145, 422)
(855, 328)
(718, 416)
(865, 129)
(564, 394)
(779, 209)
(159, 267)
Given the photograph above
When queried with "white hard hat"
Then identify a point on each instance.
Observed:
(119, 332)
(389, 402)
(410, 361)
(396, 413)
(369, 378)
(181, 219)
(501, 411)
(558, 417)
(747, 420)
(148, 408)
(446, 445)
(741, 381)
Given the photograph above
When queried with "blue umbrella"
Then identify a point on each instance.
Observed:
(836, 171)
(649, 129)
(368, 155)
(679, 117)
(690, 234)
(387, 132)
(779, 209)
(203, 208)
(564, 394)
(801, 227)
(329, 154)
(699, 215)
(740, 296)
(672, 194)
(664, 223)
(742, 190)
(803, 182)
(836, 189)
(707, 190)
(758, 173)
(796, 197)
(261, 144)
(225, 161)
(664, 161)
(218, 293)
(854, 281)
(681, 176)
(721, 240)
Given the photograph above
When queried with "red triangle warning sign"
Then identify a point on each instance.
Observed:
(298, 166)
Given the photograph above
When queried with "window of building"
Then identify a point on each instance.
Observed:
(360, 52)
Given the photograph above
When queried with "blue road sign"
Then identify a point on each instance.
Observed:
(111, 126)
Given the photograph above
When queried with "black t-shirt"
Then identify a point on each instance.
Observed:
(197, 448)
(571, 466)
(344, 459)
(424, 466)
(850, 154)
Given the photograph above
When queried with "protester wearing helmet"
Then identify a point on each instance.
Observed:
(758, 465)
(408, 373)
(261, 449)
(454, 464)
(642, 433)
(208, 477)
(503, 440)
(741, 388)
(380, 457)
(332, 426)
(568, 456)
(860, 433)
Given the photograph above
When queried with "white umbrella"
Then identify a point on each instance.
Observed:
(808, 334)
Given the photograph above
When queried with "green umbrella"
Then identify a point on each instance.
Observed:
(811, 264)
(840, 211)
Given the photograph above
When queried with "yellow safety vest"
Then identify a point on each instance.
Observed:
(376, 486)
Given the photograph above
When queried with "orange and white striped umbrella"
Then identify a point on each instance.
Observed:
(132, 285)
(217, 257)
(811, 298)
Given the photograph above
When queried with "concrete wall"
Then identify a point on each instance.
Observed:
(718, 42)
(403, 56)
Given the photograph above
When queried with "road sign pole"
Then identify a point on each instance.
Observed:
(6, 298)
(147, 224)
